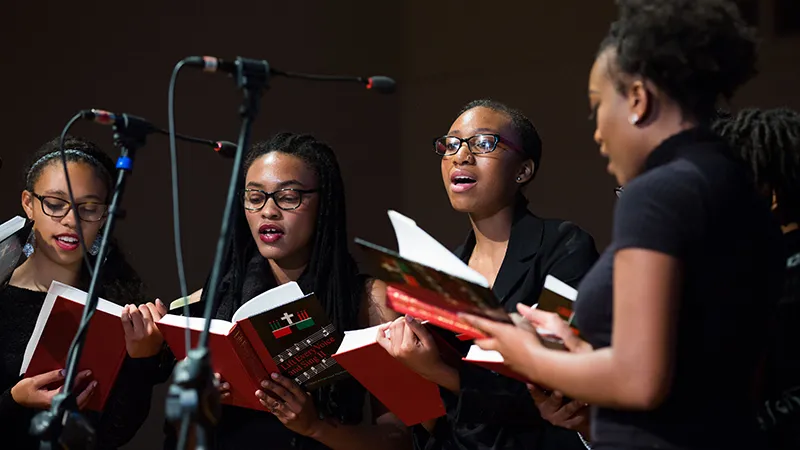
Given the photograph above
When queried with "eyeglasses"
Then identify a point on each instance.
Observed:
(59, 208)
(618, 190)
(478, 144)
(286, 199)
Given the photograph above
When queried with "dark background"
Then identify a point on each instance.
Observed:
(60, 57)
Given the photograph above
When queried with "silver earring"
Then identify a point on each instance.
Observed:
(27, 249)
(519, 179)
(95, 248)
(634, 119)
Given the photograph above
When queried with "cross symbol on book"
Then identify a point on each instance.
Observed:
(287, 317)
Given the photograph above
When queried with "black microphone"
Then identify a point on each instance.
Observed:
(378, 83)
(225, 149)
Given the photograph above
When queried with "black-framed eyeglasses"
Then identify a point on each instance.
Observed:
(286, 199)
(59, 208)
(478, 144)
(618, 191)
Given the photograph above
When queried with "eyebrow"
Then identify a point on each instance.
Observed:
(477, 130)
(281, 185)
(59, 192)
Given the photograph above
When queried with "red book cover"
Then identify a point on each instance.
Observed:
(104, 349)
(405, 393)
(232, 355)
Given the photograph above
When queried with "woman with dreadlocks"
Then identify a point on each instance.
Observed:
(769, 141)
(292, 227)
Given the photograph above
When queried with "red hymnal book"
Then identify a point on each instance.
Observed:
(405, 393)
(104, 348)
(429, 282)
(281, 330)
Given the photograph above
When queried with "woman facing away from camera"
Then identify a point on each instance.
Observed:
(674, 311)
(58, 256)
(769, 141)
(488, 155)
(292, 227)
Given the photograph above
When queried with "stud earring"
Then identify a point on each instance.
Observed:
(634, 119)
(519, 179)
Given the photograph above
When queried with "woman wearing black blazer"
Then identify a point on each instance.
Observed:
(490, 153)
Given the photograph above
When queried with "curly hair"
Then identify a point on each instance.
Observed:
(522, 126)
(769, 142)
(118, 282)
(696, 51)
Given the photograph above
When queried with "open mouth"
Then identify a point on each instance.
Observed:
(270, 233)
(461, 181)
(67, 241)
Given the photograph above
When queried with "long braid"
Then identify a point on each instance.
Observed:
(769, 141)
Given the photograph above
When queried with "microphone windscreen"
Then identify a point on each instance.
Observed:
(384, 85)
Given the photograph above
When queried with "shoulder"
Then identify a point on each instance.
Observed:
(563, 237)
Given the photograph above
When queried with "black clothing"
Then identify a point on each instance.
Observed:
(126, 408)
(493, 412)
(779, 414)
(698, 205)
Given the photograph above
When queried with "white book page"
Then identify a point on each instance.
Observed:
(416, 245)
(196, 323)
(552, 283)
(71, 294)
(273, 298)
(10, 227)
(476, 353)
(358, 338)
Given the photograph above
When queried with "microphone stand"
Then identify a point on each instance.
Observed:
(62, 427)
(193, 397)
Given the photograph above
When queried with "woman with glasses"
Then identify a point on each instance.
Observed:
(487, 157)
(675, 313)
(55, 254)
(292, 227)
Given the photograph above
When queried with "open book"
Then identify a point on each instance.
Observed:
(281, 330)
(104, 349)
(427, 281)
(13, 234)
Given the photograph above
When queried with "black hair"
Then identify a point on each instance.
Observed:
(522, 126)
(769, 141)
(331, 273)
(696, 51)
(118, 282)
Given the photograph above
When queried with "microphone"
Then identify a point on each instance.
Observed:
(378, 83)
(223, 148)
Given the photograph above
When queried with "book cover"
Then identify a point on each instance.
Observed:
(13, 235)
(412, 398)
(104, 349)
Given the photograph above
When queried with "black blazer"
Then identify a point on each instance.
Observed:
(492, 412)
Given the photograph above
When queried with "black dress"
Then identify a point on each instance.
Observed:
(129, 401)
(492, 412)
(779, 414)
(694, 203)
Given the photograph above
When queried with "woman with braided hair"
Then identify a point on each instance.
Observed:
(769, 142)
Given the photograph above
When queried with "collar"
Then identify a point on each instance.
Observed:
(526, 236)
(673, 146)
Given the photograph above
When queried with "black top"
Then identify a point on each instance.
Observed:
(695, 204)
(126, 408)
(493, 412)
(780, 412)
(241, 428)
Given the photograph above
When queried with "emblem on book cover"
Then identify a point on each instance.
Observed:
(283, 326)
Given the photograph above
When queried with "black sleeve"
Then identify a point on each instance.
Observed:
(662, 211)
(10, 410)
(128, 404)
(573, 254)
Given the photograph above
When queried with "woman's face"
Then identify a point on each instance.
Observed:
(620, 140)
(282, 235)
(57, 237)
(485, 183)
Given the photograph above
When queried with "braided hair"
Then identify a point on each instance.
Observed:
(769, 142)
(696, 51)
(331, 273)
(118, 281)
